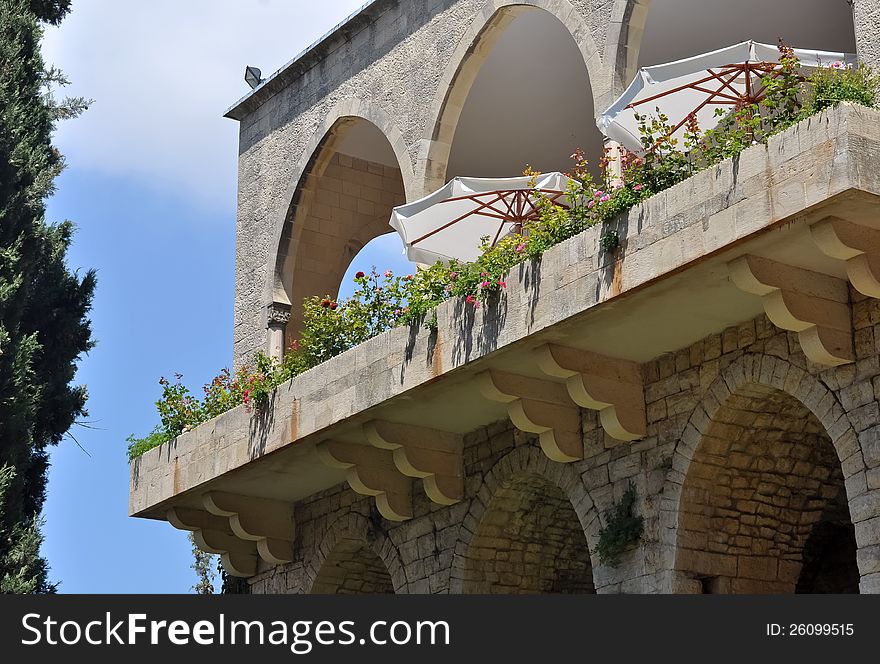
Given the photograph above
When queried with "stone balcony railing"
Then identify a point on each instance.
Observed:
(779, 230)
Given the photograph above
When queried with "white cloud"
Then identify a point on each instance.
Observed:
(163, 72)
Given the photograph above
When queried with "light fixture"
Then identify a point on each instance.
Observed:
(252, 76)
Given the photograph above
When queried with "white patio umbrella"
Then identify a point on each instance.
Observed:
(449, 223)
(699, 85)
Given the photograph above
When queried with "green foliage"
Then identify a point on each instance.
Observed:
(609, 241)
(831, 85)
(204, 566)
(623, 529)
(44, 327)
(24, 570)
(384, 301)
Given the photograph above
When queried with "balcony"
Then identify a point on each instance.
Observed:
(779, 231)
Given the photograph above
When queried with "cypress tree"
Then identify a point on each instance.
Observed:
(43, 305)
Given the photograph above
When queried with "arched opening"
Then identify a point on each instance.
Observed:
(522, 96)
(676, 29)
(344, 201)
(529, 541)
(763, 507)
(383, 253)
(352, 568)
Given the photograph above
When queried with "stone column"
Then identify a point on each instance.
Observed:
(866, 18)
(277, 317)
(615, 168)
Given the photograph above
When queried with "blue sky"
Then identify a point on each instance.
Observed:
(150, 184)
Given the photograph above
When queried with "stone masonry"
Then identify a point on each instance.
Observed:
(748, 445)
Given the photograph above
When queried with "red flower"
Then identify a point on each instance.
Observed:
(359, 275)
(325, 303)
(333, 305)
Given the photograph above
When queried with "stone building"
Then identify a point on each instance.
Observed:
(724, 362)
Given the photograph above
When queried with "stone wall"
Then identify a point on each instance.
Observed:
(395, 71)
(347, 203)
(751, 456)
(405, 66)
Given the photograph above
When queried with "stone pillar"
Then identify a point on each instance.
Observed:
(277, 317)
(615, 168)
(866, 19)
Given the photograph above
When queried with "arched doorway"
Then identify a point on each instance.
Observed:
(763, 507)
(350, 568)
(522, 95)
(529, 540)
(343, 201)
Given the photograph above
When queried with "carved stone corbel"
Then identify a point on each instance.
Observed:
(432, 455)
(538, 406)
(858, 246)
(269, 523)
(371, 472)
(213, 535)
(611, 386)
(814, 305)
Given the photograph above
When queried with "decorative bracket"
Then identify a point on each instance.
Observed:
(213, 535)
(814, 305)
(858, 245)
(613, 387)
(541, 407)
(371, 472)
(269, 523)
(432, 455)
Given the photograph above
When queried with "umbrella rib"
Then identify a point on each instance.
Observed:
(456, 220)
(669, 92)
(705, 102)
(724, 83)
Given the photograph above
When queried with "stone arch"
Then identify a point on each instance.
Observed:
(760, 399)
(798, 20)
(523, 479)
(304, 204)
(466, 63)
(354, 556)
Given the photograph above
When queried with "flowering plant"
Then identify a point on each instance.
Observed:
(382, 301)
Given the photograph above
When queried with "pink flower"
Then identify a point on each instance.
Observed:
(470, 299)
(638, 187)
(605, 198)
(408, 277)
(453, 275)
(591, 203)
(521, 248)
(598, 193)
(484, 284)
(389, 274)
(397, 312)
(503, 284)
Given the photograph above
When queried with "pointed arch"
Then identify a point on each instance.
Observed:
(354, 557)
(338, 203)
(522, 478)
(799, 398)
(651, 32)
(475, 46)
